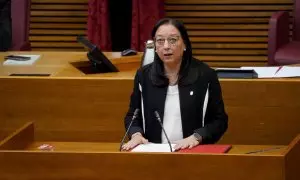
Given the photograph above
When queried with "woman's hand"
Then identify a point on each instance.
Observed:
(188, 142)
(136, 139)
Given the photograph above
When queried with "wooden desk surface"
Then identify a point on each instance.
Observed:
(64, 64)
(114, 147)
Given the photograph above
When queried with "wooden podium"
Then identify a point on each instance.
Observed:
(69, 105)
(20, 158)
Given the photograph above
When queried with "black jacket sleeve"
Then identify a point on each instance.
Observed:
(216, 119)
(135, 102)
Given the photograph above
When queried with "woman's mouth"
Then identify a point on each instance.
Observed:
(168, 54)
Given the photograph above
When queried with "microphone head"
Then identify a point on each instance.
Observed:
(157, 116)
(136, 112)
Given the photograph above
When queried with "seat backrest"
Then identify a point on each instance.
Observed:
(148, 56)
(20, 13)
(296, 20)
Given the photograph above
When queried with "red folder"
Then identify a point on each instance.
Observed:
(208, 148)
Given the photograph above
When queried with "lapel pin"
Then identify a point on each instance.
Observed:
(191, 93)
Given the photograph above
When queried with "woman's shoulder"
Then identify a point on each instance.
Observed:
(200, 65)
(143, 73)
(202, 68)
(197, 70)
(144, 69)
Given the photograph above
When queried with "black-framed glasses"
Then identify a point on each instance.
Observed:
(172, 40)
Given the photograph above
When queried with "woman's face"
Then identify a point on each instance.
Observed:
(169, 44)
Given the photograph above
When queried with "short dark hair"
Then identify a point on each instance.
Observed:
(157, 74)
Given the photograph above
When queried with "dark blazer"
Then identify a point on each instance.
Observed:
(5, 25)
(192, 91)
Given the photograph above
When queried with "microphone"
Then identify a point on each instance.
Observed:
(162, 127)
(136, 112)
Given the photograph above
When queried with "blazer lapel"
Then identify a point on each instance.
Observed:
(185, 100)
(158, 97)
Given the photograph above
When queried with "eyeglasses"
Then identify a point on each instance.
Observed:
(160, 41)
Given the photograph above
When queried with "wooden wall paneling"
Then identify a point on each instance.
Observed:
(55, 24)
(227, 32)
(223, 32)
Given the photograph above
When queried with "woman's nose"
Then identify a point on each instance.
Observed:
(166, 44)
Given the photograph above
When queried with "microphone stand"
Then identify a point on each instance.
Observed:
(163, 129)
(133, 118)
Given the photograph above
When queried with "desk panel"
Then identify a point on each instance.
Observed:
(147, 166)
(264, 111)
(93, 108)
(86, 160)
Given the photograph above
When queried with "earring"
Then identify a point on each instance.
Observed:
(184, 49)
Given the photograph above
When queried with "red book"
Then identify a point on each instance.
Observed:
(208, 148)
